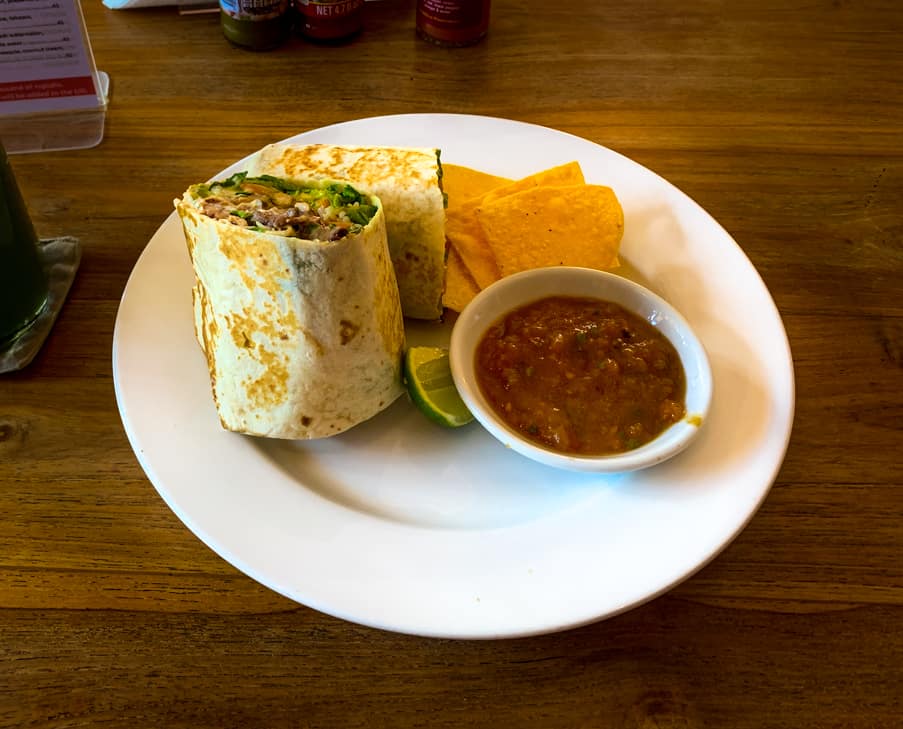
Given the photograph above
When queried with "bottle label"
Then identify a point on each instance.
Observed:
(451, 13)
(328, 9)
(254, 9)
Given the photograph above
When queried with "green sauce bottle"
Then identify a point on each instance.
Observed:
(23, 283)
(258, 25)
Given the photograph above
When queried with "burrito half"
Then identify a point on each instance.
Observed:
(296, 304)
(408, 181)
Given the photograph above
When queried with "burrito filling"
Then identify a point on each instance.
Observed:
(267, 204)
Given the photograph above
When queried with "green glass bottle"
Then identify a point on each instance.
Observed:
(258, 25)
(23, 282)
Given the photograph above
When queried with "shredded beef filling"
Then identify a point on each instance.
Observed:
(263, 207)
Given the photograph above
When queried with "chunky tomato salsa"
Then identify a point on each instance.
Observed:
(581, 376)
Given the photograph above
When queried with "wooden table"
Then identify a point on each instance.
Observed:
(784, 120)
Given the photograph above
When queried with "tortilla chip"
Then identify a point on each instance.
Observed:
(466, 238)
(462, 228)
(491, 222)
(573, 225)
(464, 187)
(463, 183)
(460, 288)
(468, 189)
(566, 174)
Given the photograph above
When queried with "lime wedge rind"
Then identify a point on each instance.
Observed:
(430, 384)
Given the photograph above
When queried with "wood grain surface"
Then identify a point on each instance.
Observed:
(783, 120)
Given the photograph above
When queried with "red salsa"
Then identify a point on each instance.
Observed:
(581, 376)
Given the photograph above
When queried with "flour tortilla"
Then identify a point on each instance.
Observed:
(408, 181)
(303, 339)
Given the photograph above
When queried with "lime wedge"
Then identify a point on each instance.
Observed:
(429, 381)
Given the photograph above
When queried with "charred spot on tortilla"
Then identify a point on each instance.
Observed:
(347, 330)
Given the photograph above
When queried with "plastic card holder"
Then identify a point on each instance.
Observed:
(52, 96)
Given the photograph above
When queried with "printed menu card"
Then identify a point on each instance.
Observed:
(46, 66)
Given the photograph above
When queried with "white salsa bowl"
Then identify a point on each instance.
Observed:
(512, 292)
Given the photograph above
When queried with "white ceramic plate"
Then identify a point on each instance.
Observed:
(405, 526)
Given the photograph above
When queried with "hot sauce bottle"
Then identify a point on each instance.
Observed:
(452, 22)
(257, 25)
(329, 21)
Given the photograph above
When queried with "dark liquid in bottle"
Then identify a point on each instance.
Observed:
(452, 22)
(329, 21)
(257, 26)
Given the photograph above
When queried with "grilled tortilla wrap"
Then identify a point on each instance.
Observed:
(296, 305)
(408, 181)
